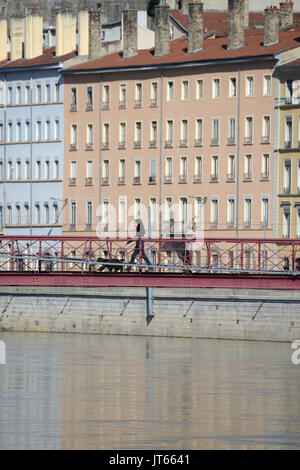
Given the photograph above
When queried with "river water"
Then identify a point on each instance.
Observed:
(61, 391)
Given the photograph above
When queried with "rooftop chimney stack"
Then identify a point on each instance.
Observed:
(162, 30)
(94, 33)
(185, 6)
(65, 32)
(286, 14)
(129, 33)
(246, 14)
(271, 26)
(3, 39)
(33, 36)
(17, 37)
(195, 37)
(83, 33)
(236, 19)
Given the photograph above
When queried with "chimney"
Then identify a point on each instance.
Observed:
(129, 33)
(94, 33)
(83, 33)
(162, 30)
(271, 26)
(3, 39)
(236, 18)
(33, 36)
(286, 14)
(195, 37)
(17, 37)
(246, 14)
(185, 6)
(65, 32)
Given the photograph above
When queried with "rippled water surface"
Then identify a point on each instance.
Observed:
(111, 392)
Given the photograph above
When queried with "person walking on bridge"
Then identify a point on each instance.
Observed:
(140, 233)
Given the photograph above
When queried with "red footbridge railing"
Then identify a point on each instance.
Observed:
(165, 262)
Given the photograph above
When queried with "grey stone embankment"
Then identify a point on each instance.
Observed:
(193, 313)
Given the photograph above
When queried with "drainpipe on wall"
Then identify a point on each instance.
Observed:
(100, 150)
(160, 151)
(275, 160)
(31, 156)
(238, 155)
(4, 153)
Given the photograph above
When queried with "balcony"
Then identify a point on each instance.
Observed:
(169, 144)
(73, 107)
(168, 179)
(214, 141)
(248, 176)
(152, 179)
(265, 139)
(197, 178)
(122, 104)
(72, 181)
(248, 141)
(105, 181)
(138, 103)
(105, 145)
(182, 179)
(153, 103)
(137, 144)
(183, 143)
(214, 178)
(137, 180)
(153, 144)
(89, 181)
(265, 176)
(230, 176)
(231, 141)
(288, 101)
(106, 105)
(198, 143)
(121, 180)
(89, 107)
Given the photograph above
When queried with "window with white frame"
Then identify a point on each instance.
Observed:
(89, 136)
(170, 91)
(298, 176)
(106, 134)
(169, 132)
(47, 170)
(287, 176)
(183, 168)
(152, 178)
(38, 134)
(297, 221)
(231, 167)
(37, 214)
(248, 166)
(265, 166)
(216, 88)
(138, 94)
(249, 130)
(214, 167)
(286, 221)
(265, 211)
(232, 87)
(47, 130)
(215, 131)
(10, 132)
(199, 89)
(38, 93)
(198, 168)
(47, 93)
(27, 131)
(56, 129)
(184, 132)
(122, 134)
(185, 90)
(154, 94)
(266, 129)
(267, 85)
(73, 217)
(18, 131)
(199, 131)
(214, 212)
(73, 171)
(38, 170)
(89, 213)
(231, 130)
(56, 169)
(169, 169)
(74, 135)
(18, 170)
(249, 86)
(288, 131)
(18, 95)
(27, 170)
(247, 211)
(230, 211)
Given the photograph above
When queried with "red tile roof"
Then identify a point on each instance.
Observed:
(47, 58)
(214, 49)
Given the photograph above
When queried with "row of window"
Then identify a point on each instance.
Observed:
(215, 220)
(21, 94)
(185, 92)
(22, 132)
(198, 169)
(20, 170)
(184, 133)
(43, 214)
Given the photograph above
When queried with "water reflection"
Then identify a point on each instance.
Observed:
(113, 392)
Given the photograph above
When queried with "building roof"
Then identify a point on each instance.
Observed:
(294, 63)
(214, 50)
(47, 58)
(214, 20)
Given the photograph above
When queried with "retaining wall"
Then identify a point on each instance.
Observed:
(194, 313)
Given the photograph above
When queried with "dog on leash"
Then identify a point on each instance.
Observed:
(111, 268)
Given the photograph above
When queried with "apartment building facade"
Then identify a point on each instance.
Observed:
(177, 125)
(288, 189)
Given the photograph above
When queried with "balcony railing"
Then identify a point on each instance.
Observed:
(138, 103)
(248, 140)
(152, 179)
(137, 180)
(198, 143)
(169, 143)
(121, 180)
(265, 175)
(122, 104)
(231, 141)
(230, 176)
(89, 146)
(73, 147)
(214, 177)
(105, 181)
(153, 143)
(122, 145)
(197, 178)
(89, 181)
(137, 144)
(265, 139)
(168, 179)
(105, 145)
(153, 103)
(105, 105)
(72, 181)
(182, 179)
(214, 141)
(183, 143)
(247, 176)
(89, 107)
(73, 107)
